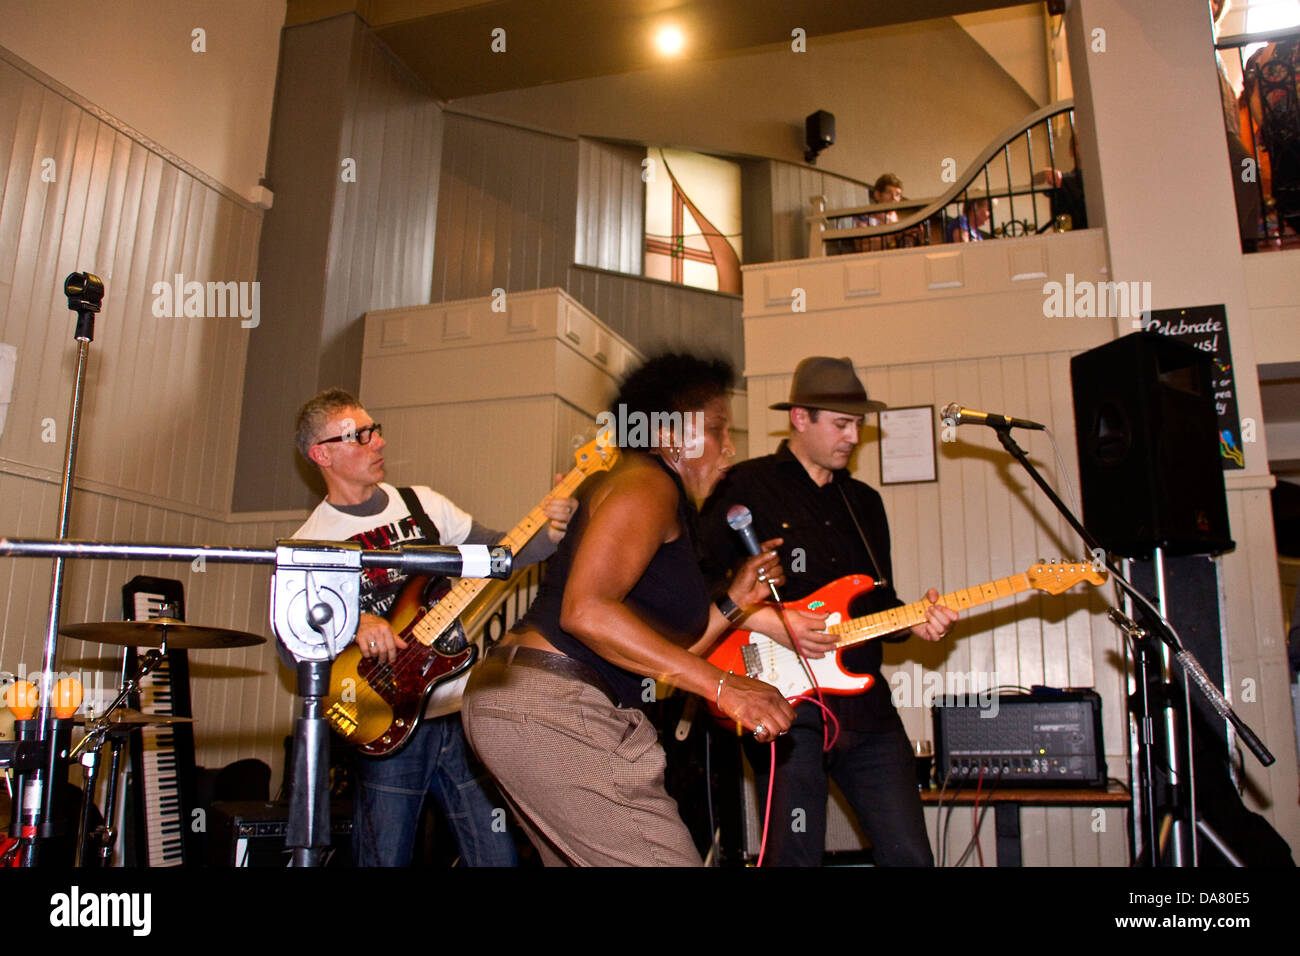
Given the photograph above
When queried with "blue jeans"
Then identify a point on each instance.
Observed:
(390, 794)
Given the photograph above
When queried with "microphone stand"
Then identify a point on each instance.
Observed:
(33, 811)
(1147, 658)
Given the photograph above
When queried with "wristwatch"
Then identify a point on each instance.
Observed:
(732, 611)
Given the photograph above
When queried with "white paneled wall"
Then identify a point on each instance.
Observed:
(931, 326)
(162, 398)
(243, 698)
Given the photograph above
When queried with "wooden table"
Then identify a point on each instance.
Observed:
(1007, 802)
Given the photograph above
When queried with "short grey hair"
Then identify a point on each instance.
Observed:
(313, 416)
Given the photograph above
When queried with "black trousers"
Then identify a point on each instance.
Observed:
(876, 770)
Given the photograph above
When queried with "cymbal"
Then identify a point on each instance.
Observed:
(134, 718)
(151, 633)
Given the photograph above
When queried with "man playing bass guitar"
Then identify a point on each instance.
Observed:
(337, 434)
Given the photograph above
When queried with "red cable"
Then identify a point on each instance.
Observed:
(828, 739)
(767, 810)
(771, 768)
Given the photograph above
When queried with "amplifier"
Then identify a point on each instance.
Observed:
(1045, 738)
(252, 833)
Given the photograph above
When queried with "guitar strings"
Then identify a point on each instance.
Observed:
(410, 655)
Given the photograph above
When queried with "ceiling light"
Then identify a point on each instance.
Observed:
(670, 41)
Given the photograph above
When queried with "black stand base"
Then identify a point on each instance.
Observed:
(309, 799)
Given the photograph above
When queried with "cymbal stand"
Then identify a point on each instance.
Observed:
(100, 839)
(315, 591)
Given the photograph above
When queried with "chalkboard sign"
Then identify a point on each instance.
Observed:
(1206, 328)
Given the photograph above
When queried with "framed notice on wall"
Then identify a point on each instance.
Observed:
(1206, 328)
(907, 445)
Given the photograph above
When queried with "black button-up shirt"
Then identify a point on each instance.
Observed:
(821, 545)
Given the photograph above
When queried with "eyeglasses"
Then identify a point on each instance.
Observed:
(361, 436)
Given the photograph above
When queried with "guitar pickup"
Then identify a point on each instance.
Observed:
(341, 720)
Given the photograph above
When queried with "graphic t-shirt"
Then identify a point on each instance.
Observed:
(389, 528)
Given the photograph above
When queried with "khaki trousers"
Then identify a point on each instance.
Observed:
(585, 777)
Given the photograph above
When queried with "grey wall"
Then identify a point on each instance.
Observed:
(791, 186)
(506, 209)
(332, 249)
(654, 315)
(611, 207)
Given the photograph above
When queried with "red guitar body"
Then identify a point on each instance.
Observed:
(758, 656)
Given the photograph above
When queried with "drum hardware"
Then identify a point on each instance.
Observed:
(117, 720)
(314, 613)
(161, 633)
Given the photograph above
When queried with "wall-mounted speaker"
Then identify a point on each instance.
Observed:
(818, 133)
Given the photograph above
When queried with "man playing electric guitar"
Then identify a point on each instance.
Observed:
(832, 525)
(337, 434)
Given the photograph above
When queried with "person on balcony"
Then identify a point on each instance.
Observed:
(888, 188)
(966, 228)
(1272, 89)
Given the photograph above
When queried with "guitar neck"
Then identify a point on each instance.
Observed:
(454, 603)
(871, 626)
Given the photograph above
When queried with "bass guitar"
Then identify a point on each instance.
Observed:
(376, 706)
(760, 657)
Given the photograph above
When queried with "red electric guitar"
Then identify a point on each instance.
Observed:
(377, 706)
(757, 655)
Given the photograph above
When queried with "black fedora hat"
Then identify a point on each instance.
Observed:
(829, 383)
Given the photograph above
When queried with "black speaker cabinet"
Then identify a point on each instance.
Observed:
(819, 130)
(252, 833)
(1147, 433)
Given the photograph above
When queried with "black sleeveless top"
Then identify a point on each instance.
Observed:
(671, 596)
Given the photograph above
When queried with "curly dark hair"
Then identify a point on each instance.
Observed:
(674, 382)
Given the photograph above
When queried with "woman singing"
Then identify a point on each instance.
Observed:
(554, 710)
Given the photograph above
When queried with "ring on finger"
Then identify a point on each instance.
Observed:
(759, 729)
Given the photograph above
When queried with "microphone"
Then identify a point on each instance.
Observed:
(741, 521)
(460, 561)
(954, 414)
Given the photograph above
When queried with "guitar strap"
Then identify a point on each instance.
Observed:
(427, 527)
(877, 568)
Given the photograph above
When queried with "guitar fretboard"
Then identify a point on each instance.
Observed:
(859, 629)
(430, 627)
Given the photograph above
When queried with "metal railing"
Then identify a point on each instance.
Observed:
(1009, 169)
